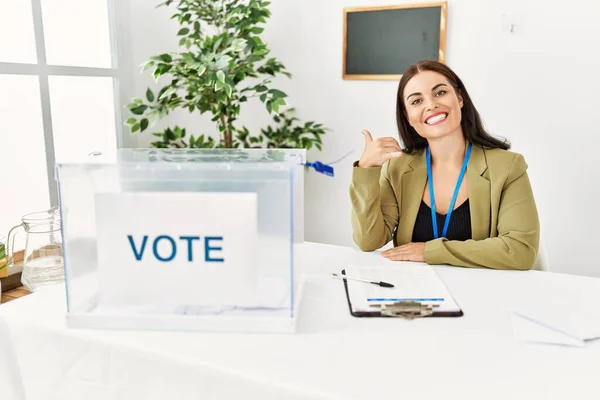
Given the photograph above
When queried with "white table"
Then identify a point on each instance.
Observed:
(332, 356)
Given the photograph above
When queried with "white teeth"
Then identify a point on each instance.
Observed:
(435, 119)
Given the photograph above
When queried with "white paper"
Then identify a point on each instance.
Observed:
(554, 323)
(527, 330)
(127, 281)
(418, 283)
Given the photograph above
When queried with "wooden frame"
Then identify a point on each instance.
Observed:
(442, 49)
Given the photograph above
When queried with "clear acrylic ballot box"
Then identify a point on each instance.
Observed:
(183, 239)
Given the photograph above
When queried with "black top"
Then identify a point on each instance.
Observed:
(459, 227)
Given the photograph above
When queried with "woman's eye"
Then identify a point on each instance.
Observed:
(441, 93)
(415, 102)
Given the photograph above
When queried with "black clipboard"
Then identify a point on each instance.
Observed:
(377, 314)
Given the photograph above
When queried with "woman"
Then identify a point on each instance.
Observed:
(450, 168)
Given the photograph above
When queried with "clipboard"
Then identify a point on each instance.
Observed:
(379, 314)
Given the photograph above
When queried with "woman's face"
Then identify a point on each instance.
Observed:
(433, 107)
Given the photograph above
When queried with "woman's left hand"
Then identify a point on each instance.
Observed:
(407, 252)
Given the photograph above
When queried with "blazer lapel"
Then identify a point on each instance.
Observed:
(413, 185)
(479, 194)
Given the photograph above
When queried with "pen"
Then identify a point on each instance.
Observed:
(380, 283)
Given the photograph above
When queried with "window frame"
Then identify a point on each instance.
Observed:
(116, 15)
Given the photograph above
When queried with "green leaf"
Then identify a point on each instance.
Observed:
(149, 95)
(143, 124)
(153, 117)
(228, 90)
(263, 97)
(139, 110)
(183, 31)
(147, 65)
(257, 31)
(167, 93)
(276, 94)
(253, 59)
(223, 62)
(279, 102)
(166, 58)
(239, 44)
(196, 26)
(135, 128)
(131, 121)
(221, 76)
(217, 43)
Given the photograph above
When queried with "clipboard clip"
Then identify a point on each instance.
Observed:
(406, 309)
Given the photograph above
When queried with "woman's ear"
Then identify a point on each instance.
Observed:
(460, 100)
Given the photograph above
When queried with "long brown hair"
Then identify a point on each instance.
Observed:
(471, 124)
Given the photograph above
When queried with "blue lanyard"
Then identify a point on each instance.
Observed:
(454, 196)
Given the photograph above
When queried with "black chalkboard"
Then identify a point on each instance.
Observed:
(380, 43)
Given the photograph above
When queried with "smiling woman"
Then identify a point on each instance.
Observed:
(448, 163)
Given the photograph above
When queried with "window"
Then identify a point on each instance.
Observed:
(58, 95)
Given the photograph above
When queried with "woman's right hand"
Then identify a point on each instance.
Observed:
(378, 151)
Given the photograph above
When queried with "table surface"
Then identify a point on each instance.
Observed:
(336, 356)
(14, 294)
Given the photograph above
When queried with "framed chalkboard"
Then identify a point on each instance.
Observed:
(381, 42)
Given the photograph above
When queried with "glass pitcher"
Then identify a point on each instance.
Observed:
(43, 258)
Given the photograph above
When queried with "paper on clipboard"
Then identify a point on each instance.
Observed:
(415, 282)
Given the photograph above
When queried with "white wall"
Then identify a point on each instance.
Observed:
(536, 86)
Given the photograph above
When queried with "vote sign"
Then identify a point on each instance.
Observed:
(176, 248)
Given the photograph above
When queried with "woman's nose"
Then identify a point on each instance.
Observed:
(431, 104)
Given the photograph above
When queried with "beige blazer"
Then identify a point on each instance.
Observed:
(504, 219)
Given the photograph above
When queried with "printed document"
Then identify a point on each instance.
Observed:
(412, 282)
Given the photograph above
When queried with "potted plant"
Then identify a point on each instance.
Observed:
(223, 64)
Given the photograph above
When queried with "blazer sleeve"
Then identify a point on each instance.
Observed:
(374, 207)
(517, 243)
